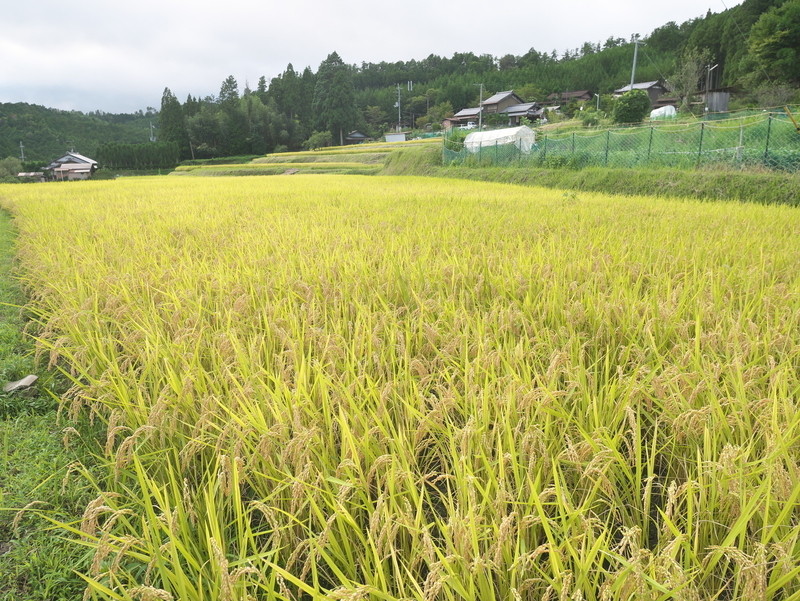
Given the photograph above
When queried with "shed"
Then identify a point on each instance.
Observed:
(654, 89)
(356, 137)
(396, 136)
(522, 137)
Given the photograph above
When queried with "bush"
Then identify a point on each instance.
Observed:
(454, 140)
(631, 107)
(590, 118)
(317, 140)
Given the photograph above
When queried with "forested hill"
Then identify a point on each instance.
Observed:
(755, 46)
(47, 133)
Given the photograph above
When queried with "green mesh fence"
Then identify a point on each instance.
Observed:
(758, 141)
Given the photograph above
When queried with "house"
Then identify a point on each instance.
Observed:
(71, 166)
(507, 103)
(516, 112)
(465, 116)
(356, 137)
(654, 89)
(497, 103)
(562, 98)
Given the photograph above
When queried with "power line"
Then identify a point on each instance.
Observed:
(744, 39)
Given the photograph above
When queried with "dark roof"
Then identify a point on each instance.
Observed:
(500, 96)
(640, 86)
(472, 112)
(357, 135)
(568, 95)
(527, 108)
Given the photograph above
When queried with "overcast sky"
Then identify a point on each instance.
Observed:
(119, 56)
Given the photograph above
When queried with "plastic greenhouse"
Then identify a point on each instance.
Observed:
(665, 112)
(522, 137)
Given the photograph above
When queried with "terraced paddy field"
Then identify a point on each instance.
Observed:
(337, 387)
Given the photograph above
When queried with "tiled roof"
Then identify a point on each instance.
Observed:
(498, 97)
(471, 112)
(639, 86)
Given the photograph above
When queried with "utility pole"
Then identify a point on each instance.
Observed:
(22, 151)
(399, 118)
(708, 81)
(480, 107)
(636, 43)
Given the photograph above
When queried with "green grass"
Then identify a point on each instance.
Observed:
(763, 187)
(36, 563)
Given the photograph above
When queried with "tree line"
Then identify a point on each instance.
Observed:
(752, 47)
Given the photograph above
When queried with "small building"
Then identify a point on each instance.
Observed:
(71, 166)
(466, 115)
(356, 137)
(37, 176)
(516, 112)
(717, 100)
(654, 90)
(499, 102)
(562, 98)
(399, 136)
(449, 123)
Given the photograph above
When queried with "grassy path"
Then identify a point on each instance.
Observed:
(35, 564)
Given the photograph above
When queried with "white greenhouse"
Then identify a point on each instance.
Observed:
(522, 137)
(665, 112)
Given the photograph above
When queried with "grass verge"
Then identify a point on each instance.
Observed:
(36, 563)
(760, 187)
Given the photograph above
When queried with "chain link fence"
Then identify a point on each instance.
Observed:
(763, 140)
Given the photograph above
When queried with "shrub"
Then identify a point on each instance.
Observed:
(631, 107)
(317, 140)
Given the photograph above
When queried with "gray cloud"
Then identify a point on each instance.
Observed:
(119, 57)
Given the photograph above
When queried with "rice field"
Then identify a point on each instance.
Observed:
(331, 387)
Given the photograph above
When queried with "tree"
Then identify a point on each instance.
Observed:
(775, 40)
(228, 91)
(632, 107)
(9, 167)
(374, 117)
(172, 126)
(317, 140)
(689, 71)
(334, 98)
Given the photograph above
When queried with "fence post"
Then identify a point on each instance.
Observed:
(741, 140)
(608, 136)
(769, 129)
(544, 148)
(650, 144)
(700, 147)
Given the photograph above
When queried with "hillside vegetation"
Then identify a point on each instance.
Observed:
(753, 45)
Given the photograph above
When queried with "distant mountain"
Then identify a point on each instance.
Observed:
(47, 133)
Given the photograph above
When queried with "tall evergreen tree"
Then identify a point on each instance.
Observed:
(334, 98)
(172, 124)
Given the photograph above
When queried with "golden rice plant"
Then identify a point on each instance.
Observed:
(405, 388)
